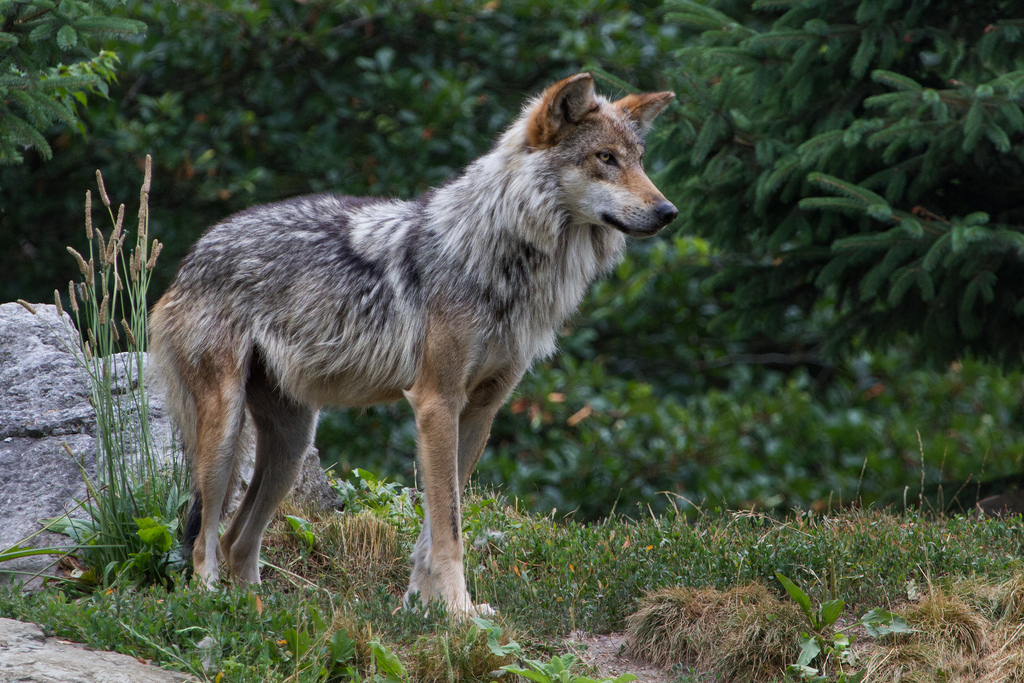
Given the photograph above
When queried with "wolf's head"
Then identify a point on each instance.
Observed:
(598, 150)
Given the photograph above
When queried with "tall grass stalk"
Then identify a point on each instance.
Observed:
(134, 502)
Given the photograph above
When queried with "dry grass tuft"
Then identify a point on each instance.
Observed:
(742, 634)
(996, 601)
(952, 641)
(364, 546)
(459, 653)
(949, 622)
(983, 596)
(1010, 596)
(1006, 665)
(902, 663)
(348, 552)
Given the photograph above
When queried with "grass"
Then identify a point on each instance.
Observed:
(744, 633)
(715, 577)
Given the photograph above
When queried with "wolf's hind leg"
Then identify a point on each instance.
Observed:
(284, 432)
(220, 414)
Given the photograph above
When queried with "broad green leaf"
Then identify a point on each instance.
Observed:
(797, 594)
(830, 611)
(388, 662)
(879, 622)
(809, 649)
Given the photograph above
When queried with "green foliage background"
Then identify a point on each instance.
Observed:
(876, 149)
(769, 350)
(37, 87)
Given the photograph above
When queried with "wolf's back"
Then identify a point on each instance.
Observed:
(328, 291)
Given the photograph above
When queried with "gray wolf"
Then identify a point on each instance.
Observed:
(446, 300)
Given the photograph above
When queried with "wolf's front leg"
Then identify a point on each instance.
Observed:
(437, 572)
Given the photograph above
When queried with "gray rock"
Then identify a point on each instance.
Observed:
(28, 656)
(42, 390)
(44, 403)
(312, 487)
(1005, 504)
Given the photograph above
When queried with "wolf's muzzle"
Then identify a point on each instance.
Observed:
(665, 212)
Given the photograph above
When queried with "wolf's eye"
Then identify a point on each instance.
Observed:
(607, 158)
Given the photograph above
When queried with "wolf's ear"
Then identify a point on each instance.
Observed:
(562, 104)
(644, 107)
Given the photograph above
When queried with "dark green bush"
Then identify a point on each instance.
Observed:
(866, 152)
(49, 64)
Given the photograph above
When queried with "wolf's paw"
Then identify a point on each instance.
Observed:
(207, 574)
(482, 609)
(458, 606)
(244, 568)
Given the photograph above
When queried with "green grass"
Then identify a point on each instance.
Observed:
(546, 579)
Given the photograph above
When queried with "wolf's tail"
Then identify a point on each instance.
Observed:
(192, 526)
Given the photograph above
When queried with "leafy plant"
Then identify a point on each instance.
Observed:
(493, 633)
(559, 670)
(387, 667)
(303, 530)
(389, 500)
(833, 645)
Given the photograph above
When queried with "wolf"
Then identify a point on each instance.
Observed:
(445, 300)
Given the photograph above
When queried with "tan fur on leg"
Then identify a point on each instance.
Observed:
(220, 415)
(438, 398)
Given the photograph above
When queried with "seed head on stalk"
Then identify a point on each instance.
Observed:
(103, 190)
(144, 198)
(71, 295)
(157, 247)
(128, 331)
(88, 214)
(115, 237)
(103, 309)
(82, 265)
(103, 247)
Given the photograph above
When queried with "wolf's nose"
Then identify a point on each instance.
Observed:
(666, 212)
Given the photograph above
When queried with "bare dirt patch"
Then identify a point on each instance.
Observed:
(607, 654)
